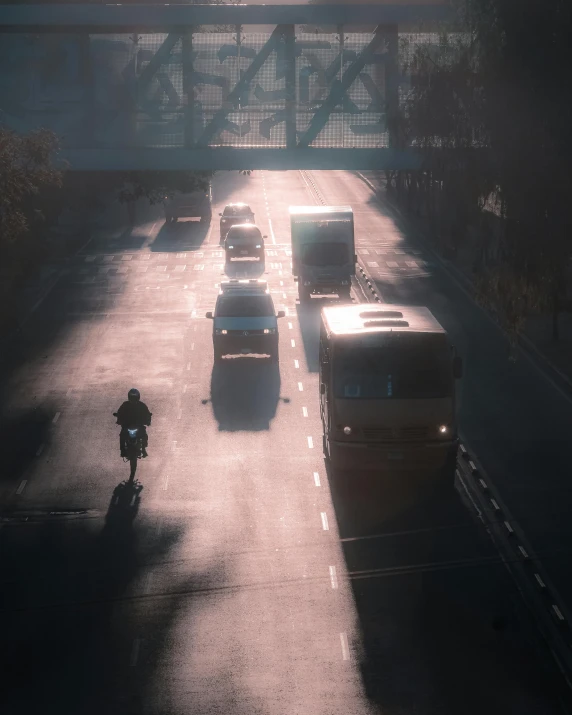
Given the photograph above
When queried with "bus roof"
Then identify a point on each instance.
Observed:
(315, 212)
(379, 318)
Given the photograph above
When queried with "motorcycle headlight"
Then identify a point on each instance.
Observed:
(443, 430)
(258, 245)
(220, 331)
(230, 246)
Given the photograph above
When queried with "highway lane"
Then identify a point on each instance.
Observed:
(242, 577)
(513, 418)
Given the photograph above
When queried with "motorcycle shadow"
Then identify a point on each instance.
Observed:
(124, 504)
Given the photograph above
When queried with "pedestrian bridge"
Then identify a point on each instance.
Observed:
(214, 86)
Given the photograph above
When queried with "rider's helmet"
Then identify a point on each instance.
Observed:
(133, 395)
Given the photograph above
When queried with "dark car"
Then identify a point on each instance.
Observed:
(244, 241)
(197, 204)
(233, 214)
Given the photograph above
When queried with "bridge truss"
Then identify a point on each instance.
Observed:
(212, 87)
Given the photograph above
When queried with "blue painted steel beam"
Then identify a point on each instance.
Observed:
(228, 158)
(176, 18)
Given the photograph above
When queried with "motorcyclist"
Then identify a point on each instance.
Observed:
(133, 413)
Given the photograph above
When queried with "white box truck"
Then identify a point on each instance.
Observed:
(323, 250)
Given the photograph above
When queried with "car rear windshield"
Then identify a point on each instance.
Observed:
(237, 211)
(243, 237)
(244, 306)
(419, 368)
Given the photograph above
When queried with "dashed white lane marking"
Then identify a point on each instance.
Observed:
(281, 283)
(365, 251)
(317, 479)
(373, 264)
(287, 310)
(272, 231)
(293, 343)
(333, 577)
(193, 313)
(89, 259)
(180, 269)
(325, 525)
(199, 267)
(300, 387)
(56, 417)
(310, 443)
(148, 580)
(166, 483)
(208, 238)
(135, 652)
(159, 527)
(40, 450)
(22, 486)
(184, 389)
(188, 366)
(392, 264)
(180, 414)
(192, 346)
(68, 393)
(296, 365)
(304, 411)
(345, 646)
(290, 326)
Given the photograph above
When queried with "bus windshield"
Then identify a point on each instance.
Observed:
(419, 368)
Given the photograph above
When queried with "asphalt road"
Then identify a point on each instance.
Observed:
(242, 577)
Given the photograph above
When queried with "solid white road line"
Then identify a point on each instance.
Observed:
(345, 646)
(333, 577)
(272, 231)
(56, 417)
(22, 486)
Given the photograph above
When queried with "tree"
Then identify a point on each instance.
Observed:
(155, 186)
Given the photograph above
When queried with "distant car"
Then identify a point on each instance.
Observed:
(197, 204)
(245, 321)
(244, 240)
(233, 214)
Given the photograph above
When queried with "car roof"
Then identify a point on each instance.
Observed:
(245, 228)
(252, 286)
(238, 205)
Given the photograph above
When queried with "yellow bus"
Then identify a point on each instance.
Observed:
(387, 390)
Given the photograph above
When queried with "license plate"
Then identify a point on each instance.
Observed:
(395, 455)
(244, 253)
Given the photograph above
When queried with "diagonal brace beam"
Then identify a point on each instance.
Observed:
(217, 123)
(339, 89)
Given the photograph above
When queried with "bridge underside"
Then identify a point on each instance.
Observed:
(218, 96)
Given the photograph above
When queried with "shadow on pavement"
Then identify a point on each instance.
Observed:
(435, 603)
(23, 434)
(244, 393)
(70, 609)
(244, 269)
(309, 321)
(185, 234)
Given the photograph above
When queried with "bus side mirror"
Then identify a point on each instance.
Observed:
(457, 367)
(209, 315)
(281, 314)
(322, 389)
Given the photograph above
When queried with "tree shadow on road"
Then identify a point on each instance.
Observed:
(183, 235)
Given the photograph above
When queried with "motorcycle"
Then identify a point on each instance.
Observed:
(134, 447)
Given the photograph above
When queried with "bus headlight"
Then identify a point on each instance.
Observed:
(347, 430)
(220, 331)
